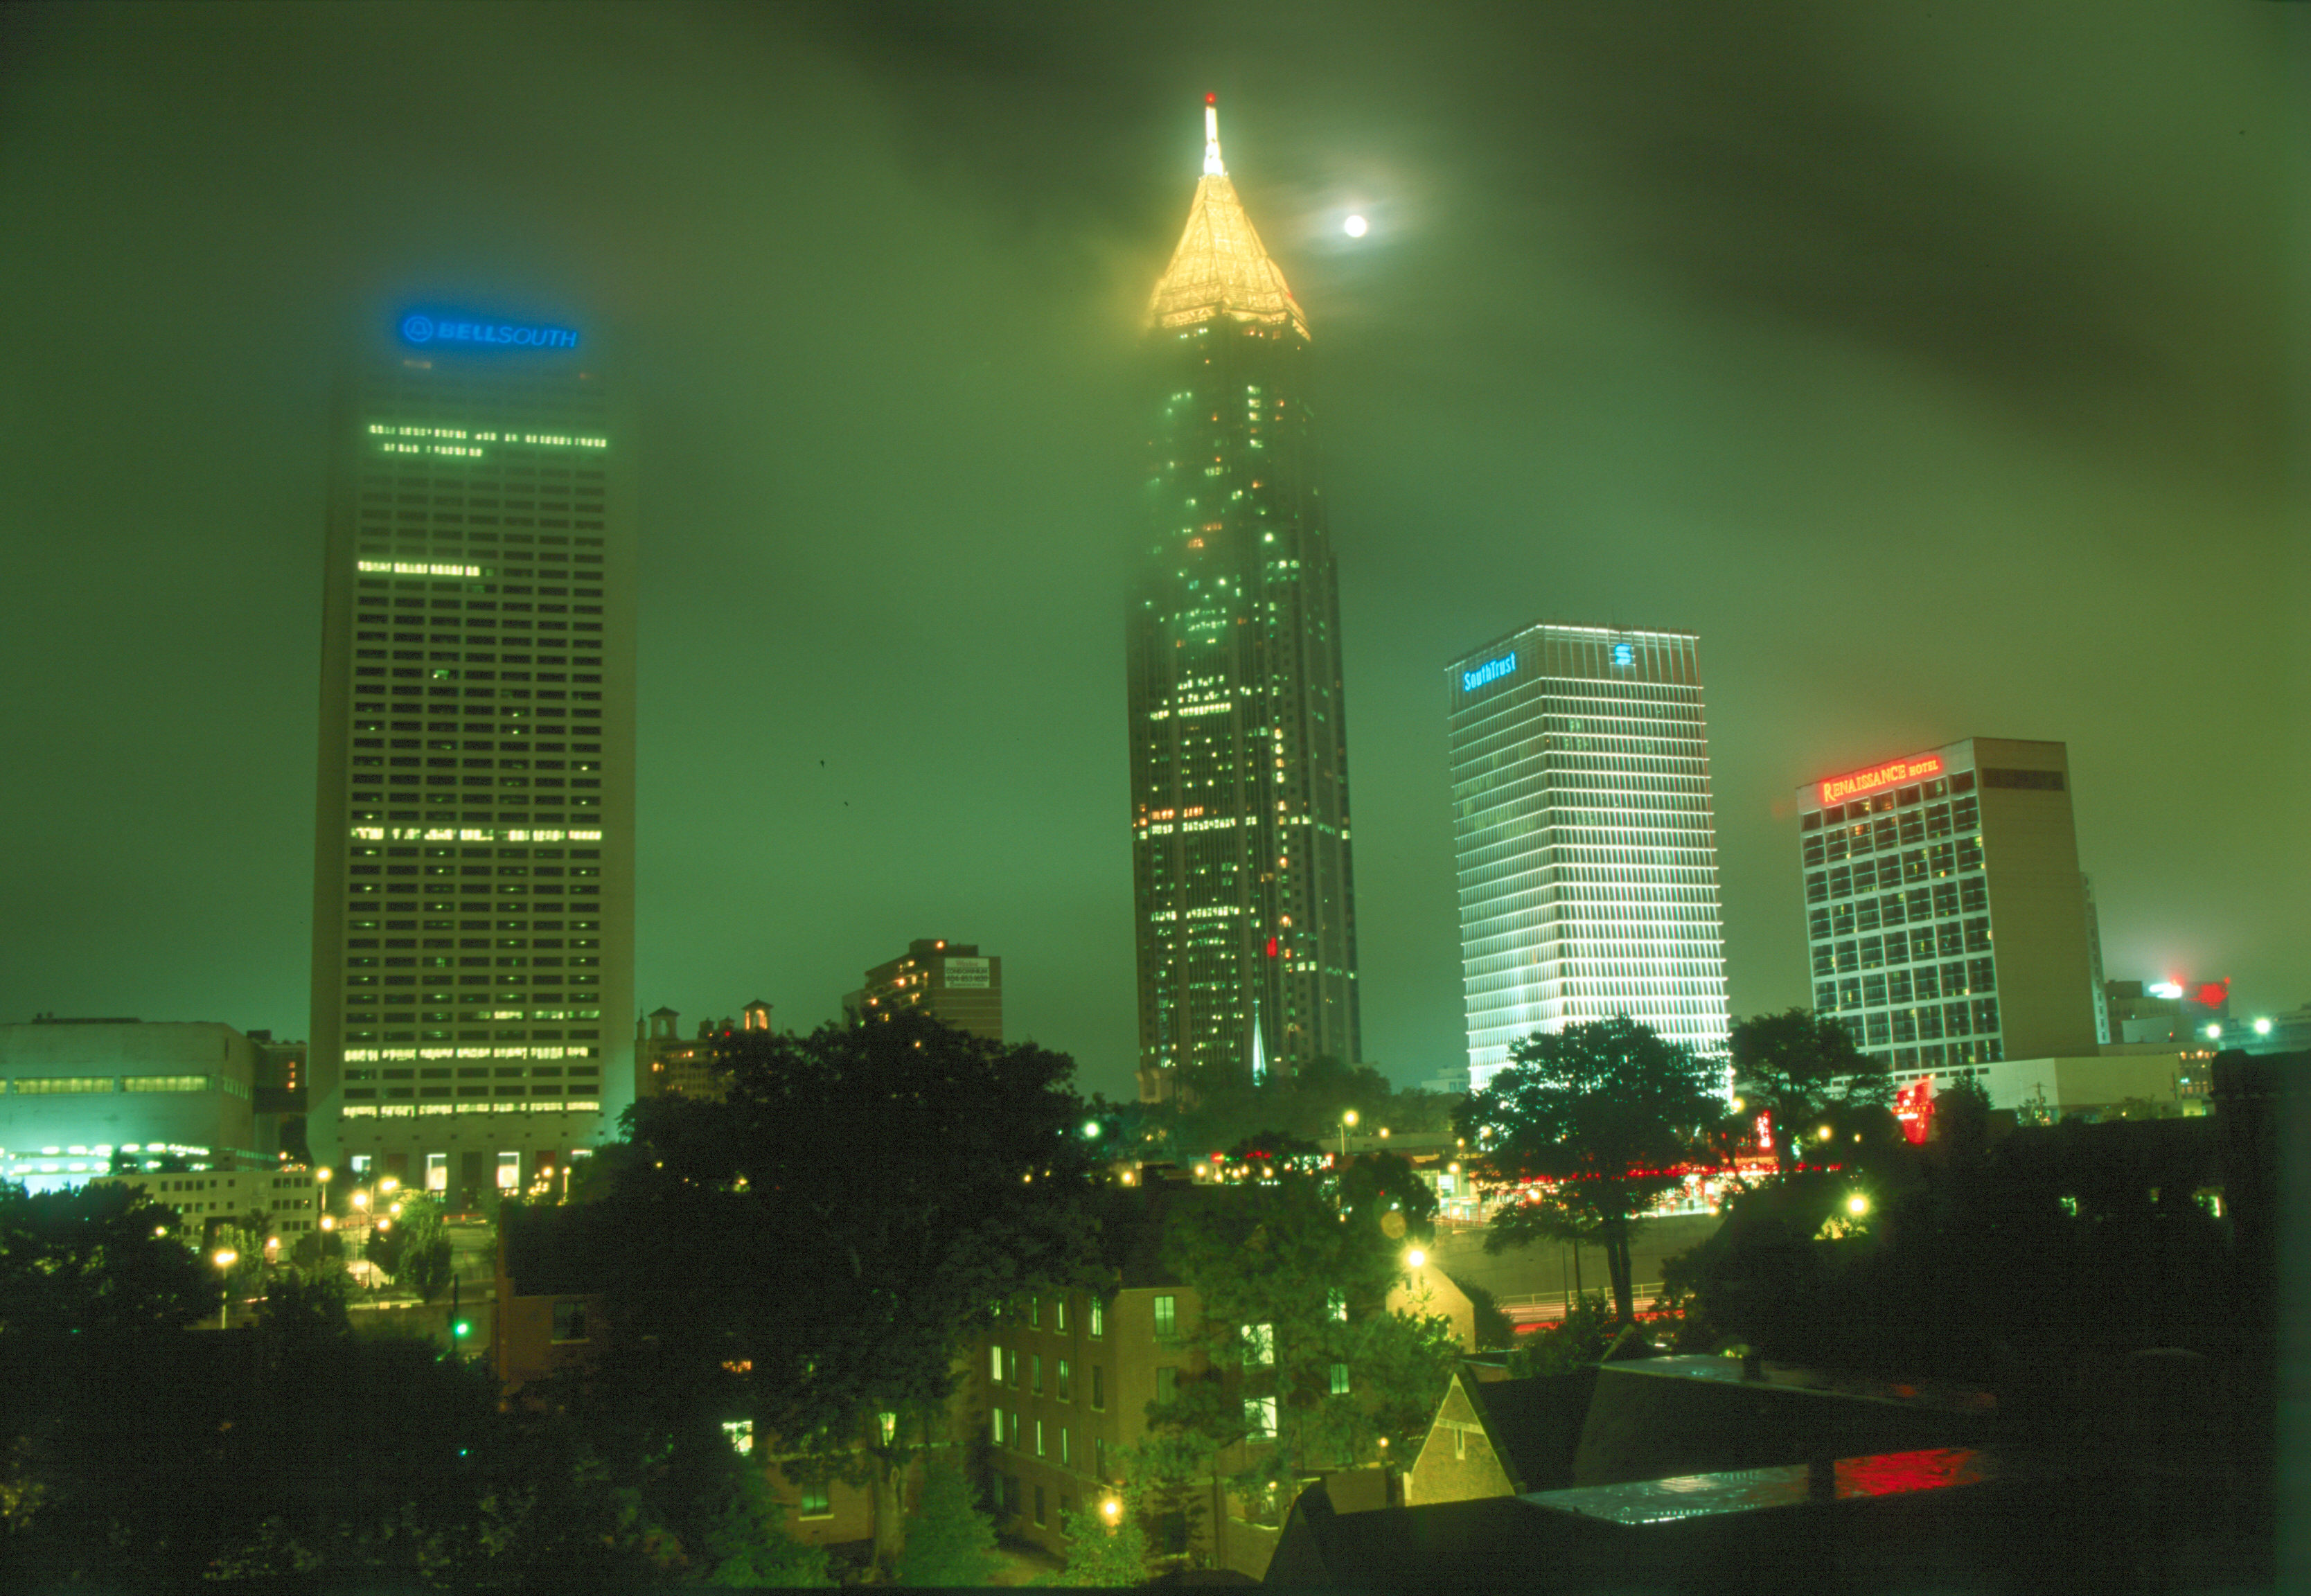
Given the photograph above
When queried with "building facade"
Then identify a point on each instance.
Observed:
(473, 906)
(74, 1093)
(951, 982)
(1583, 842)
(1244, 889)
(1945, 915)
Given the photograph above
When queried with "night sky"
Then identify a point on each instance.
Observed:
(1927, 361)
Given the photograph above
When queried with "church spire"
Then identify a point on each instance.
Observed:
(1220, 268)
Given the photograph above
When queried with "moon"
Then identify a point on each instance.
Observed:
(1354, 227)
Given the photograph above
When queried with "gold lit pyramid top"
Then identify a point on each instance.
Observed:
(1220, 268)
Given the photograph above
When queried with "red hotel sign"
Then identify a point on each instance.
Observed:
(1837, 790)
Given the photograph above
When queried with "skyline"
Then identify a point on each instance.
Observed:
(1646, 323)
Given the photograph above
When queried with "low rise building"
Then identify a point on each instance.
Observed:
(668, 1064)
(284, 1203)
(74, 1093)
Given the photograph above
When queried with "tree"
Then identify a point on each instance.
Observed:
(1603, 1114)
(95, 1260)
(1381, 1191)
(1100, 1554)
(835, 1231)
(1801, 1067)
(949, 1541)
(1306, 1368)
(416, 1252)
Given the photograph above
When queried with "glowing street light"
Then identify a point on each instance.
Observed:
(1415, 1258)
(1111, 1511)
(1857, 1205)
(2263, 1028)
(361, 1199)
(224, 1258)
(2215, 1032)
(1347, 1120)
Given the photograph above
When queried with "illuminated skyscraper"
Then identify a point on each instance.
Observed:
(1245, 895)
(1581, 833)
(473, 910)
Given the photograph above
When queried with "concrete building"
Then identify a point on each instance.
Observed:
(951, 982)
(284, 1201)
(1582, 838)
(473, 916)
(73, 1093)
(1947, 917)
(1243, 875)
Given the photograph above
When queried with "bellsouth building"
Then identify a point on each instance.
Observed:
(1584, 848)
(1244, 891)
(472, 904)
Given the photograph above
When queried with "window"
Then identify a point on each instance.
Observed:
(1260, 1417)
(1339, 1379)
(1066, 1457)
(1010, 1365)
(1336, 1303)
(437, 1172)
(509, 1172)
(1035, 1311)
(1098, 1319)
(1035, 1372)
(1167, 1318)
(995, 1417)
(741, 1432)
(995, 1363)
(1066, 1387)
(570, 1320)
(1258, 1346)
(816, 1502)
(1167, 1384)
(1099, 1457)
(1059, 1315)
(1098, 1386)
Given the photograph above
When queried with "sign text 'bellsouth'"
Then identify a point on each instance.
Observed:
(423, 330)
(1491, 670)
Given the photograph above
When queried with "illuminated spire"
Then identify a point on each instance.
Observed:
(1220, 268)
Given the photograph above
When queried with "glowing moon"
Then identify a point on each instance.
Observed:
(1354, 227)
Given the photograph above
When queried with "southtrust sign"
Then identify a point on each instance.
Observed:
(425, 330)
(1491, 670)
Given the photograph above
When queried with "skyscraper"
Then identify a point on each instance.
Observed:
(1946, 917)
(473, 909)
(951, 981)
(1583, 839)
(1244, 891)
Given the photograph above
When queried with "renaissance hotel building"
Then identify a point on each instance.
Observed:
(474, 884)
(1947, 920)
(1582, 838)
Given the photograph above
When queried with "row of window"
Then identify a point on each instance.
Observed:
(1967, 979)
(1904, 830)
(1944, 898)
(1936, 862)
(1927, 1024)
(1946, 940)
(1902, 797)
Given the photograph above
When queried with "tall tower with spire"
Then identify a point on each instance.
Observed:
(1244, 891)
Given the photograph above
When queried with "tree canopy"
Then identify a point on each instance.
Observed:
(1601, 1114)
(1305, 1367)
(1803, 1068)
(831, 1234)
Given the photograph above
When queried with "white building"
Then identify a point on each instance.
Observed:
(1584, 841)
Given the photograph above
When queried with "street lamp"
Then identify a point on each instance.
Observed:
(1347, 1120)
(1857, 1205)
(224, 1258)
(1111, 1511)
(1415, 1258)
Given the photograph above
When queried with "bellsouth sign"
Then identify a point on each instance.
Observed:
(424, 330)
(1837, 790)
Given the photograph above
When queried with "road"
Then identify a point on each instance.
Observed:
(1549, 1270)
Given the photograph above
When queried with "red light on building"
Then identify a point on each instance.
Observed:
(1914, 1108)
(1892, 774)
(1271, 948)
(2213, 994)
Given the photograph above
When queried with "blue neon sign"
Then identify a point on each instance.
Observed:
(1491, 670)
(425, 330)
(1624, 655)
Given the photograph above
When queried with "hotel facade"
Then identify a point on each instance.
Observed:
(1947, 919)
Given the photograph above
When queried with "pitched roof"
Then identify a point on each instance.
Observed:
(1220, 268)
